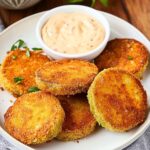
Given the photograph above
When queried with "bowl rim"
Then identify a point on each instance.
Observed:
(44, 18)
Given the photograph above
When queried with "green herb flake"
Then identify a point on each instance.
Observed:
(13, 47)
(18, 44)
(18, 80)
(14, 57)
(33, 89)
(36, 49)
(21, 43)
(27, 51)
(130, 57)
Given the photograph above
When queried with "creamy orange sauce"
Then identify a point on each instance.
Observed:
(72, 33)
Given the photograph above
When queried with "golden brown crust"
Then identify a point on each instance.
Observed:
(79, 122)
(66, 77)
(117, 100)
(21, 66)
(35, 118)
(127, 54)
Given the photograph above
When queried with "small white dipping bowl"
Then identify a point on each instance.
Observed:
(68, 9)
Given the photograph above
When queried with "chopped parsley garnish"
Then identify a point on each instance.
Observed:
(33, 89)
(27, 52)
(18, 44)
(130, 57)
(36, 49)
(14, 57)
(18, 80)
(13, 47)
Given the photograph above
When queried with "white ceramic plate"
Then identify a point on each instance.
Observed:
(100, 139)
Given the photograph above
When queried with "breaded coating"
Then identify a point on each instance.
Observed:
(66, 77)
(127, 54)
(117, 100)
(35, 118)
(17, 73)
(79, 122)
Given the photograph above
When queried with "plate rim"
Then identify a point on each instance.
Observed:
(133, 138)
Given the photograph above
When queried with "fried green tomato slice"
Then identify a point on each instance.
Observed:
(127, 54)
(35, 118)
(117, 100)
(17, 72)
(79, 122)
(66, 77)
